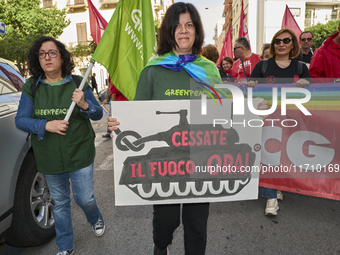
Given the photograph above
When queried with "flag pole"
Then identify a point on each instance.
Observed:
(73, 104)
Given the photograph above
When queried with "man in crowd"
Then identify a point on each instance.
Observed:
(94, 83)
(246, 61)
(306, 40)
(325, 60)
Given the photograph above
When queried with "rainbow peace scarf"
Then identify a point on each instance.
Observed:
(205, 73)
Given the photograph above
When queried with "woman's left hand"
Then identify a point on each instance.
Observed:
(302, 83)
(78, 98)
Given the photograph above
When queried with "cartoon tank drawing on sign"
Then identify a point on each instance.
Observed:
(201, 160)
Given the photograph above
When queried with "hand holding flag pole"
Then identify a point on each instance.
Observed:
(73, 104)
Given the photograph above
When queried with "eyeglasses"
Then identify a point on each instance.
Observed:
(51, 53)
(237, 47)
(306, 39)
(284, 40)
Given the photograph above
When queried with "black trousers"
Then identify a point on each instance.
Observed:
(166, 218)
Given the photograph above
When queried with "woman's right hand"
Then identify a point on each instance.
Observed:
(250, 83)
(112, 124)
(57, 126)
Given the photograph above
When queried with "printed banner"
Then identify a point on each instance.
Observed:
(302, 156)
(301, 153)
(168, 152)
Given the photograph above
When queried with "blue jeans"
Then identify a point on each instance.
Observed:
(268, 193)
(82, 188)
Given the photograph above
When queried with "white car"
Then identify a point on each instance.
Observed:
(26, 206)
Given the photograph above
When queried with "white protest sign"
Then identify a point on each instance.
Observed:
(167, 152)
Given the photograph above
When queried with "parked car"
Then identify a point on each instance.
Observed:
(26, 206)
(102, 95)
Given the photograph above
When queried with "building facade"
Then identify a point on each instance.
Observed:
(264, 17)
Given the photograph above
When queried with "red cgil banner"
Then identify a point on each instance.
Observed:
(301, 154)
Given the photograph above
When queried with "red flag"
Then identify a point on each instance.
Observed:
(243, 32)
(289, 22)
(227, 48)
(97, 22)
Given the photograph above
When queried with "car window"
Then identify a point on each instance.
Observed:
(10, 79)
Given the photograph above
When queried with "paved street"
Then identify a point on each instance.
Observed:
(305, 225)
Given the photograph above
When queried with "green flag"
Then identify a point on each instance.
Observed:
(127, 45)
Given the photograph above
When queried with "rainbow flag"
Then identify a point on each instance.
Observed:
(324, 96)
(104, 108)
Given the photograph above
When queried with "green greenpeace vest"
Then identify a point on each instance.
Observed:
(57, 153)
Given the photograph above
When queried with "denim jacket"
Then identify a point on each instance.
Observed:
(25, 122)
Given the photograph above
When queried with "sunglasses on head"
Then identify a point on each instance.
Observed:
(284, 40)
(306, 39)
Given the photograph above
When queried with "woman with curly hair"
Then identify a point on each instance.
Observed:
(63, 150)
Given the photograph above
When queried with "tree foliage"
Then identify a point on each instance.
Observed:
(83, 53)
(157, 23)
(25, 22)
(322, 31)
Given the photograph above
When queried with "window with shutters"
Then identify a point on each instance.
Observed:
(47, 3)
(81, 33)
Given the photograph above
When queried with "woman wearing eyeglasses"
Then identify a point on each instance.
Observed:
(282, 67)
(63, 150)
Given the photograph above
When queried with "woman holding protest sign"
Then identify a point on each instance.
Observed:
(280, 68)
(180, 42)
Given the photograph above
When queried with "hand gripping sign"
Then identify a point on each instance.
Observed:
(167, 152)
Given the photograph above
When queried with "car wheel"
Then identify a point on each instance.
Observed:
(33, 220)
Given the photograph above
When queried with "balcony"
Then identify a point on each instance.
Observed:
(76, 6)
(107, 4)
